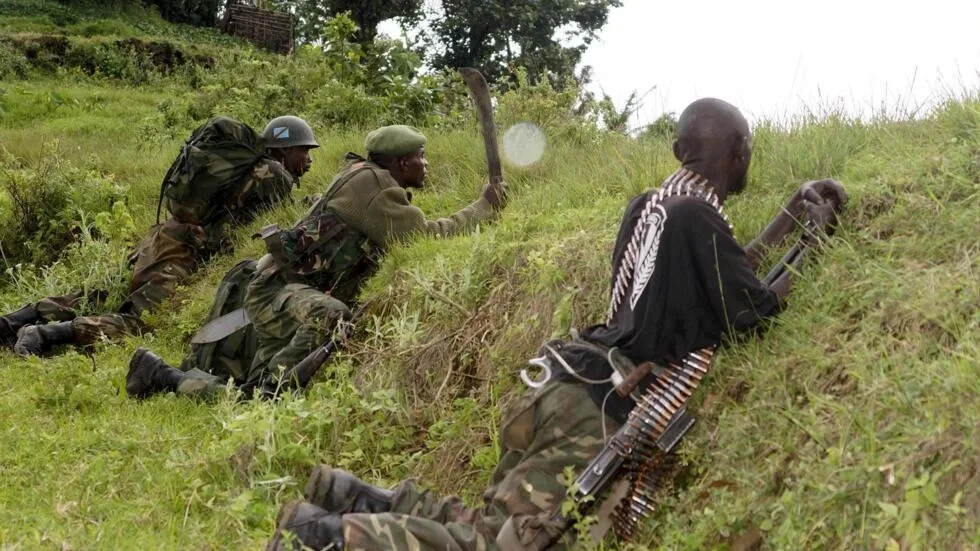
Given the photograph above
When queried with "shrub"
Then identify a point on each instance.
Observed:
(341, 84)
(109, 60)
(50, 204)
(12, 62)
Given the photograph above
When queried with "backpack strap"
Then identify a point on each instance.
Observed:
(356, 168)
(165, 184)
(178, 163)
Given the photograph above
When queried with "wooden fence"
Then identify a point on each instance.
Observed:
(264, 28)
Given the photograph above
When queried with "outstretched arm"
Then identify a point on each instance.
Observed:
(391, 216)
(775, 232)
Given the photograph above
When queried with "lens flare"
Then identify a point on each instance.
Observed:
(524, 144)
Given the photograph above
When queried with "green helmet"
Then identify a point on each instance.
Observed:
(288, 131)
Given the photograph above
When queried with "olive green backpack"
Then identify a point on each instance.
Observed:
(214, 161)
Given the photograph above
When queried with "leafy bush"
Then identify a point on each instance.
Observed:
(110, 61)
(50, 205)
(341, 84)
(12, 62)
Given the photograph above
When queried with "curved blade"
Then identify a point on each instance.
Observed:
(480, 93)
(221, 327)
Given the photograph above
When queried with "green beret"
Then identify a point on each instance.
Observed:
(396, 140)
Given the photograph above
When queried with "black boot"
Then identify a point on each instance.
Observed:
(12, 322)
(34, 339)
(309, 526)
(149, 374)
(340, 492)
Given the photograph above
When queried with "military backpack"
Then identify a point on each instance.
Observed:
(215, 160)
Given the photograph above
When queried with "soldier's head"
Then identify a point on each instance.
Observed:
(713, 140)
(401, 150)
(289, 139)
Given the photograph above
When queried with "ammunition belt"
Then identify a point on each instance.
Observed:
(647, 465)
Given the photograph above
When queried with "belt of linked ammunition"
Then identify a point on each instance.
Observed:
(647, 464)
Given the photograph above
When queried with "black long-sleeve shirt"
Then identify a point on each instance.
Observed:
(692, 284)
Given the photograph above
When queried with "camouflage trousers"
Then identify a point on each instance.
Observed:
(290, 321)
(550, 429)
(162, 261)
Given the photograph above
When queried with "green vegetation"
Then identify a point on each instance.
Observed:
(851, 424)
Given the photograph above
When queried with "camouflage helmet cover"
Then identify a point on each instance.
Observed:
(288, 131)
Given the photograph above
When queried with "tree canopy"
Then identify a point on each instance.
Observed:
(312, 15)
(544, 36)
(547, 37)
(495, 36)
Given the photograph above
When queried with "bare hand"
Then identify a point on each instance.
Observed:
(820, 216)
(496, 195)
(820, 191)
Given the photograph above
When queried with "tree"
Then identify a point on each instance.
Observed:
(545, 36)
(312, 15)
(665, 127)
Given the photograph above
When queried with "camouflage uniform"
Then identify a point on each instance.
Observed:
(550, 429)
(169, 254)
(303, 287)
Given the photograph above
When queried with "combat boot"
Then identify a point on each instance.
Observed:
(339, 492)
(12, 322)
(309, 526)
(34, 339)
(149, 374)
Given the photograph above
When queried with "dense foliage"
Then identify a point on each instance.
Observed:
(312, 16)
(497, 36)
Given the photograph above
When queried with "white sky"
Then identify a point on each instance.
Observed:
(775, 59)
(779, 58)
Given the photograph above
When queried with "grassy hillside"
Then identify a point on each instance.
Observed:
(851, 424)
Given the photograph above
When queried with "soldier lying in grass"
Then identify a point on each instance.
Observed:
(313, 271)
(209, 188)
(680, 282)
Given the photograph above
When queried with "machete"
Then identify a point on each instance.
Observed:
(221, 327)
(480, 93)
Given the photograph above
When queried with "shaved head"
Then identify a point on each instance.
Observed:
(713, 139)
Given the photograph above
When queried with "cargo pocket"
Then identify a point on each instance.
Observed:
(282, 299)
(517, 429)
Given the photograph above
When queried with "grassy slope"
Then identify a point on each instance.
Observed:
(852, 424)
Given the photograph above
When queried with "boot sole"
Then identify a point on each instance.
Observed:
(133, 363)
(319, 478)
(33, 347)
(286, 515)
